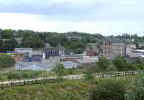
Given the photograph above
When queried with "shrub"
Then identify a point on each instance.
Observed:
(108, 90)
(6, 61)
(103, 63)
(136, 89)
(59, 69)
(23, 74)
(122, 64)
(88, 76)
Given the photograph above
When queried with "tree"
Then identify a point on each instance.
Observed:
(103, 63)
(59, 71)
(88, 76)
(121, 63)
(7, 34)
(32, 41)
(6, 61)
(12, 43)
(108, 90)
(136, 89)
(139, 63)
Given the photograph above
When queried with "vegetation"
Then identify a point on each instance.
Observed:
(6, 61)
(66, 90)
(72, 41)
(136, 89)
(108, 90)
(122, 64)
(25, 74)
(117, 64)
(103, 63)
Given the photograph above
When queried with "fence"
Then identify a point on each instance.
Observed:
(129, 75)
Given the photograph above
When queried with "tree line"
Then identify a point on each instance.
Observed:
(30, 39)
(72, 41)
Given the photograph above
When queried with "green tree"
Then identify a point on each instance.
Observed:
(7, 34)
(12, 43)
(32, 41)
(136, 89)
(6, 61)
(59, 71)
(88, 76)
(103, 63)
(108, 90)
(121, 64)
(139, 63)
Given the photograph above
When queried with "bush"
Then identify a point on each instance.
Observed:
(23, 74)
(103, 63)
(6, 61)
(88, 76)
(136, 89)
(59, 69)
(122, 64)
(108, 90)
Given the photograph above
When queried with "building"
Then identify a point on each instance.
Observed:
(70, 64)
(53, 52)
(118, 49)
(89, 59)
(107, 49)
(26, 51)
(92, 49)
(137, 53)
(129, 50)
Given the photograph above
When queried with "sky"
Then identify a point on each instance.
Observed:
(92, 16)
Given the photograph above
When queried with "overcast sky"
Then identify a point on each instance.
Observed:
(93, 16)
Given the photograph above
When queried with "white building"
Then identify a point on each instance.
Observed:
(25, 51)
(70, 64)
(89, 59)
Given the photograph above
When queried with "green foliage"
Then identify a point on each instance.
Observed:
(7, 34)
(6, 61)
(139, 63)
(88, 76)
(38, 39)
(108, 90)
(103, 63)
(66, 90)
(122, 64)
(23, 74)
(59, 69)
(9, 44)
(32, 41)
(136, 89)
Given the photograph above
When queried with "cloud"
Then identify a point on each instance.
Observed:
(104, 16)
